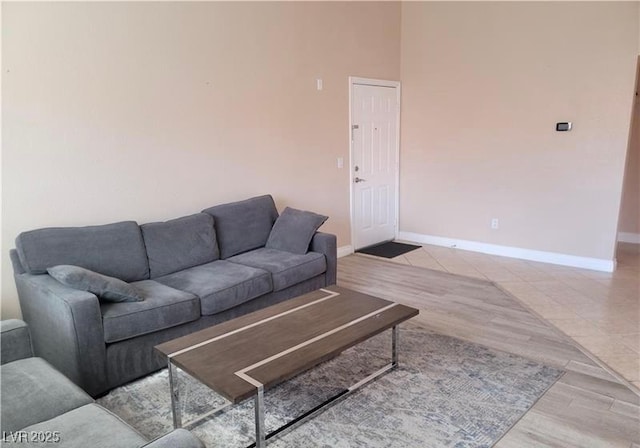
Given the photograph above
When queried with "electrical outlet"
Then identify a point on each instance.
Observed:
(495, 223)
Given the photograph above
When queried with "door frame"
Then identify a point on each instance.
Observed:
(355, 80)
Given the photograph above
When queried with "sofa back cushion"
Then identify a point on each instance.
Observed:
(116, 250)
(244, 225)
(180, 243)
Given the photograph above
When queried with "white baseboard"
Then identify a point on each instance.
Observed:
(626, 237)
(343, 251)
(597, 264)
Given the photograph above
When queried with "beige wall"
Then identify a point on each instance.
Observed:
(483, 86)
(150, 111)
(630, 207)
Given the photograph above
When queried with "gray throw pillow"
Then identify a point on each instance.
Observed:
(107, 288)
(293, 230)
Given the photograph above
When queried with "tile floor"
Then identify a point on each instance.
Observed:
(598, 310)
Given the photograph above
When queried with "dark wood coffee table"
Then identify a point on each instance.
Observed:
(242, 357)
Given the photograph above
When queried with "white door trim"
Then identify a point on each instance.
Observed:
(353, 80)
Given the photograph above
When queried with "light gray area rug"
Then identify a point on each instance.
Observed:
(445, 393)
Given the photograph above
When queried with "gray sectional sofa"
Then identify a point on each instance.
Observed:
(41, 407)
(194, 272)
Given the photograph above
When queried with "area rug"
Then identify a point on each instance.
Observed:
(390, 249)
(445, 393)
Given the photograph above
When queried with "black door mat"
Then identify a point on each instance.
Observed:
(388, 250)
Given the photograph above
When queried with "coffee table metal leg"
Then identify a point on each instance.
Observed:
(259, 408)
(395, 334)
(175, 396)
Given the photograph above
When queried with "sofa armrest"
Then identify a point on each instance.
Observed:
(325, 243)
(66, 329)
(15, 341)
(179, 438)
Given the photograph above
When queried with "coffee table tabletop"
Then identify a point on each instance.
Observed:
(269, 346)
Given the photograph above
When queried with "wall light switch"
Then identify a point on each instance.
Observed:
(340, 162)
(319, 83)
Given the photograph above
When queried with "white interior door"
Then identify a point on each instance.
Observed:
(374, 162)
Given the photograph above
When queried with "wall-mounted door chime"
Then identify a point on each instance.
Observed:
(563, 126)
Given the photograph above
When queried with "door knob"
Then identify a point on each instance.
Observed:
(357, 180)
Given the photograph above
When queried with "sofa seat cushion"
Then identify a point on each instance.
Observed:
(286, 268)
(33, 391)
(220, 284)
(88, 426)
(163, 307)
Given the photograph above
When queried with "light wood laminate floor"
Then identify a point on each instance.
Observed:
(590, 406)
(598, 310)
